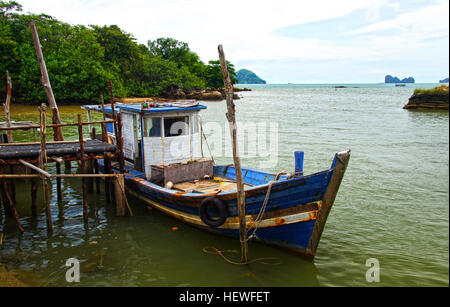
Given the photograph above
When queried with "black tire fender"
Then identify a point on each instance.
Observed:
(218, 205)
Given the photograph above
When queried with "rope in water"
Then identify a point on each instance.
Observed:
(264, 260)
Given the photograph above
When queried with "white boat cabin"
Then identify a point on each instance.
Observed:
(158, 134)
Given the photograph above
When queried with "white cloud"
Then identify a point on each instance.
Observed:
(247, 29)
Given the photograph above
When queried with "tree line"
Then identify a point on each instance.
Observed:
(82, 59)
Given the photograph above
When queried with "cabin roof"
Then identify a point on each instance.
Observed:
(137, 107)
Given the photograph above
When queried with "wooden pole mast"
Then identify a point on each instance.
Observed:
(58, 135)
(228, 88)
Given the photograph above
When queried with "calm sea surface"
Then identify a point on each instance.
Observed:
(393, 204)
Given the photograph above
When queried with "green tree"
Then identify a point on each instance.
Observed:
(214, 76)
(7, 7)
(80, 60)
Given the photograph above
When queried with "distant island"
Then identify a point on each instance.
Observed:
(390, 79)
(246, 76)
(444, 80)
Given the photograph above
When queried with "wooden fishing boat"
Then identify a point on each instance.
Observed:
(164, 167)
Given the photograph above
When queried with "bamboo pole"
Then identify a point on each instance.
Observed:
(83, 170)
(95, 163)
(57, 126)
(228, 88)
(38, 143)
(102, 101)
(12, 186)
(58, 135)
(119, 196)
(12, 208)
(7, 106)
(111, 92)
(36, 169)
(6, 207)
(119, 143)
(90, 164)
(35, 176)
(43, 168)
(58, 182)
(34, 190)
(107, 166)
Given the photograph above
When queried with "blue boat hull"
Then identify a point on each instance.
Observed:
(294, 216)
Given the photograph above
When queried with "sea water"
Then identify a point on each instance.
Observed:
(392, 206)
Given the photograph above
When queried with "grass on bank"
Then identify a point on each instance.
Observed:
(439, 90)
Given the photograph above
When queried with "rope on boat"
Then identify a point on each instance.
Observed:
(259, 217)
(206, 140)
(264, 260)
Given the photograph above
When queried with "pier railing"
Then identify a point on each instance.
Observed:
(114, 178)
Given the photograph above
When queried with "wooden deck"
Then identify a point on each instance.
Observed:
(57, 149)
(217, 184)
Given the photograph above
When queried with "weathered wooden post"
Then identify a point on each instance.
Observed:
(119, 144)
(83, 169)
(119, 185)
(43, 166)
(34, 190)
(103, 106)
(57, 131)
(12, 208)
(58, 182)
(12, 185)
(95, 163)
(107, 165)
(6, 207)
(58, 135)
(228, 88)
(7, 106)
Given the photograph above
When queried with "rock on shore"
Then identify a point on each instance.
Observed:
(213, 94)
(434, 99)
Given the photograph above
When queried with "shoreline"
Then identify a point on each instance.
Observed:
(205, 95)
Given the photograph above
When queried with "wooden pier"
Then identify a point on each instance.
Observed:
(29, 160)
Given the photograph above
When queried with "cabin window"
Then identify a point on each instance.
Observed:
(152, 126)
(176, 126)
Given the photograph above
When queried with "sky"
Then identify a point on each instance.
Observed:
(297, 41)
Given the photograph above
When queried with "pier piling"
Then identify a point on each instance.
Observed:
(36, 155)
(43, 167)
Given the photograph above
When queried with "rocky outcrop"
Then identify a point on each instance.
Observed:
(174, 91)
(390, 79)
(434, 99)
(246, 76)
(237, 89)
